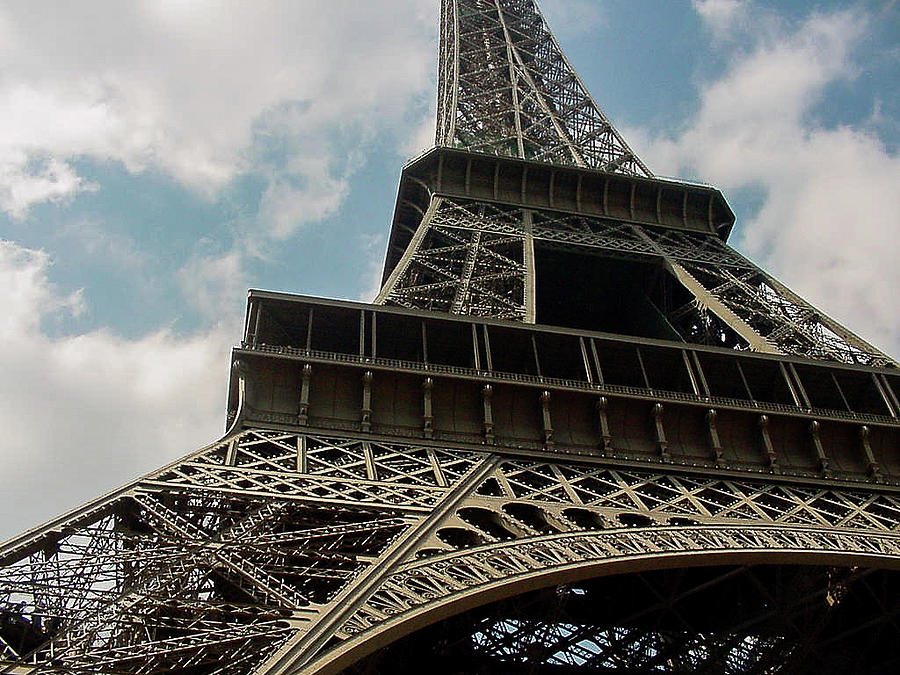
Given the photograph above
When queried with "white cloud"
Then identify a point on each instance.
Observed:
(571, 18)
(89, 411)
(285, 205)
(721, 15)
(373, 255)
(30, 181)
(824, 226)
(184, 87)
(204, 92)
(100, 244)
(422, 138)
(215, 286)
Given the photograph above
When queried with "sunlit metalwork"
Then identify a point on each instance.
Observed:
(577, 432)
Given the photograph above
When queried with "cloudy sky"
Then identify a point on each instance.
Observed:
(159, 157)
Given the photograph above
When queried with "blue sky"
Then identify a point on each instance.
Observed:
(159, 157)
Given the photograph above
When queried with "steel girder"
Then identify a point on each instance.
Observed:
(477, 258)
(467, 258)
(733, 620)
(506, 88)
(275, 549)
(287, 550)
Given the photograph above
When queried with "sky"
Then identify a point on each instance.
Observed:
(160, 157)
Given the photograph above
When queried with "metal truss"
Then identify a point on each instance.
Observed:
(467, 258)
(477, 258)
(733, 620)
(780, 318)
(537, 517)
(295, 547)
(198, 569)
(271, 549)
(506, 88)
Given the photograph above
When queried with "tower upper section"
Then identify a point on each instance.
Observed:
(534, 209)
(506, 88)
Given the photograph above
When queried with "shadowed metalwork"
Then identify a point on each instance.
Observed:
(577, 432)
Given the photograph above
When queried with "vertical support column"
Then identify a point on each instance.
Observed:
(819, 448)
(602, 406)
(239, 372)
(585, 361)
(371, 469)
(545, 417)
(701, 375)
(840, 391)
(303, 413)
(883, 392)
(873, 468)
(439, 476)
(487, 393)
(257, 324)
(768, 450)
(488, 357)
(460, 304)
(662, 445)
(596, 356)
(427, 411)
(746, 384)
(786, 378)
(365, 422)
(713, 431)
(231, 454)
(530, 279)
(798, 383)
(889, 393)
(640, 358)
(537, 359)
(424, 343)
(249, 339)
(302, 458)
(476, 349)
(690, 373)
(309, 329)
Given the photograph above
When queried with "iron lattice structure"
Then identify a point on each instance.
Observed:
(577, 432)
(506, 88)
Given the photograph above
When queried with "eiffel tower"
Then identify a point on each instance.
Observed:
(576, 432)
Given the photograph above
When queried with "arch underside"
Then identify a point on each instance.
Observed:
(717, 619)
(277, 552)
(682, 599)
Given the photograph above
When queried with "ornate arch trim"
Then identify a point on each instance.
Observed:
(426, 591)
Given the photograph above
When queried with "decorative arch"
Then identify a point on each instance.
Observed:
(428, 590)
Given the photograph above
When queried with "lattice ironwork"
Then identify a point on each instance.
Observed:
(190, 572)
(314, 537)
(506, 88)
(736, 620)
(467, 258)
(298, 548)
(478, 258)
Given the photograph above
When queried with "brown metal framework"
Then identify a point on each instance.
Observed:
(577, 433)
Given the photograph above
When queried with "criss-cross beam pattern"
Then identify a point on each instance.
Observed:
(467, 258)
(506, 88)
(271, 549)
(327, 524)
(753, 620)
(209, 564)
(478, 258)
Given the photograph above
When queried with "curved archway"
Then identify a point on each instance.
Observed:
(728, 620)
(433, 589)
